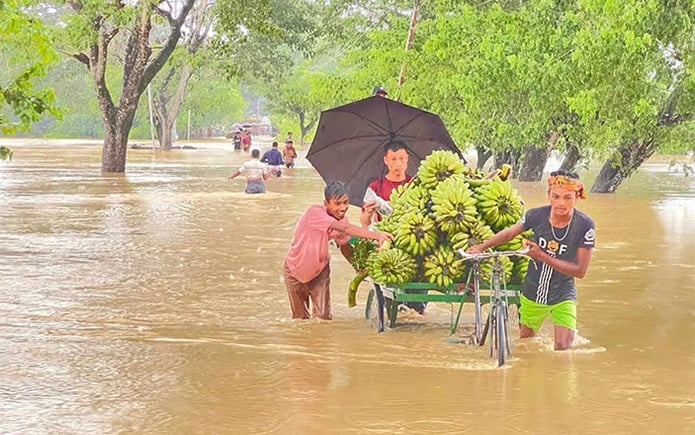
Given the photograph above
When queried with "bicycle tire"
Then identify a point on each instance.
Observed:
(377, 320)
(501, 334)
(369, 309)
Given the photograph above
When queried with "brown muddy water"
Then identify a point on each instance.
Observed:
(153, 302)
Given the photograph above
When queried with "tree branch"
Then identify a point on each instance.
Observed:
(169, 46)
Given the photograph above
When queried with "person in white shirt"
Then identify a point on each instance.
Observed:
(255, 172)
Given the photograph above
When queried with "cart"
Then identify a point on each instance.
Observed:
(382, 304)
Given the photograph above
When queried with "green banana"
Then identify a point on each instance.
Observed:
(354, 285)
(439, 166)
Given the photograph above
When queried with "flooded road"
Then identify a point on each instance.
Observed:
(153, 302)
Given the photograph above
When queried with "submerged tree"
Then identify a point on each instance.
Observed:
(94, 33)
(171, 86)
(654, 60)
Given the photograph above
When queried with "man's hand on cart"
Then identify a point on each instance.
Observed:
(475, 249)
(534, 251)
(383, 240)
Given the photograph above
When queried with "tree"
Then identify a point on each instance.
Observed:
(94, 31)
(172, 85)
(21, 68)
(654, 51)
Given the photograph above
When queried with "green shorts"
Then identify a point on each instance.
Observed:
(534, 314)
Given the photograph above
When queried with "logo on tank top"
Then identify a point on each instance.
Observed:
(552, 247)
(589, 236)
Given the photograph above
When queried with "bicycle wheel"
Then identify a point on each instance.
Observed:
(370, 309)
(374, 311)
(501, 334)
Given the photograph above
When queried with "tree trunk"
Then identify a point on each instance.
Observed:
(625, 161)
(534, 163)
(140, 65)
(572, 157)
(304, 127)
(621, 165)
(484, 155)
(168, 106)
(113, 156)
(536, 159)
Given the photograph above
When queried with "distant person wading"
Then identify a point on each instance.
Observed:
(273, 158)
(255, 172)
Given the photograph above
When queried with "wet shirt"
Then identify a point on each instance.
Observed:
(289, 153)
(253, 169)
(543, 284)
(272, 157)
(308, 254)
(383, 187)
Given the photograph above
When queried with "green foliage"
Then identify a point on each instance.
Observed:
(212, 102)
(21, 102)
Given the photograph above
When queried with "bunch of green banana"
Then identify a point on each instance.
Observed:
(513, 245)
(475, 177)
(391, 266)
(499, 204)
(520, 269)
(416, 233)
(516, 243)
(388, 225)
(476, 233)
(443, 267)
(487, 265)
(437, 167)
(474, 173)
(412, 198)
(476, 182)
(460, 240)
(361, 250)
(453, 205)
(397, 193)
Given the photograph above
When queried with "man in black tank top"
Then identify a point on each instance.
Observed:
(563, 239)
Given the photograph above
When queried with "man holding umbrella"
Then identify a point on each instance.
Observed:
(396, 160)
(353, 144)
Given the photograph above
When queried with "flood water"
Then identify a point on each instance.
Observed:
(153, 302)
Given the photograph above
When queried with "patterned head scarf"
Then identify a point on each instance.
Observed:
(565, 182)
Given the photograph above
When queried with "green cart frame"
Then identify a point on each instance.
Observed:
(386, 299)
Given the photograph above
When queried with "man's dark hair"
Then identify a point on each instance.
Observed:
(289, 141)
(395, 146)
(565, 173)
(335, 189)
(378, 90)
(275, 144)
(255, 153)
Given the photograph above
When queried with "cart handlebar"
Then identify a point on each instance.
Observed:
(494, 254)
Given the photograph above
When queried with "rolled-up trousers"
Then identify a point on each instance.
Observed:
(317, 290)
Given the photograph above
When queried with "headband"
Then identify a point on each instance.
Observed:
(565, 182)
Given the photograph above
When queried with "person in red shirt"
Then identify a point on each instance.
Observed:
(396, 161)
(307, 264)
(245, 140)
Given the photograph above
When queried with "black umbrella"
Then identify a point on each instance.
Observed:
(351, 140)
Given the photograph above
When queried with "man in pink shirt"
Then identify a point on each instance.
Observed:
(307, 265)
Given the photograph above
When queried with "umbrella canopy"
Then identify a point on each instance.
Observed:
(351, 140)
